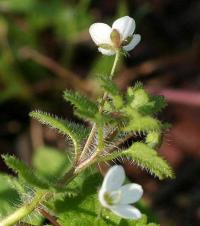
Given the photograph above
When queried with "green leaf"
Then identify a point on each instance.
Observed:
(9, 198)
(109, 86)
(145, 157)
(140, 123)
(113, 91)
(82, 104)
(79, 210)
(58, 162)
(160, 103)
(148, 159)
(75, 131)
(137, 97)
(153, 139)
(25, 172)
(145, 103)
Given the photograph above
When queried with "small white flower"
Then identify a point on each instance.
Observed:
(120, 35)
(117, 197)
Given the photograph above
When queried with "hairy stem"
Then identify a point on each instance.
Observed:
(93, 130)
(88, 142)
(92, 159)
(24, 210)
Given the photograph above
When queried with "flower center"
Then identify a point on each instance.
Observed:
(112, 198)
(115, 38)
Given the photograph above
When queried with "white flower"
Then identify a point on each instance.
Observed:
(117, 197)
(120, 35)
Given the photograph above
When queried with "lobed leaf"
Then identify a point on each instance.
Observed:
(139, 123)
(81, 103)
(109, 86)
(76, 132)
(145, 157)
(24, 172)
(148, 159)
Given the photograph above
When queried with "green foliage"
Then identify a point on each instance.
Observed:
(145, 103)
(84, 205)
(24, 172)
(9, 198)
(23, 23)
(148, 159)
(75, 131)
(113, 92)
(84, 108)
(58, 162)
(153, 139)
(159, 103)
(87, 206)
(145, 157)
(109, 85)
(139, 123)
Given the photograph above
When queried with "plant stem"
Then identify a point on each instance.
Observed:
(92, 159)
(117, 57)
(24, 210)
(49, 217)
(105, 95)
(88, 142)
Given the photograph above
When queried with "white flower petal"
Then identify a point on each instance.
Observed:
(125, 26)
(130, 193)
(136, 39)
(100, 33)
(106, 51)
(113, 179)
(126, 211)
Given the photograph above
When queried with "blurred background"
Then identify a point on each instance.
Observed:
(45, 48)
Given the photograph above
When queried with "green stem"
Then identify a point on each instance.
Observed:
(117, 57)
(88, 142)
(92, 159)
(93, 130)
(24, 210)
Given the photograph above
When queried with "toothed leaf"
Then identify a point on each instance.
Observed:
(24, 172)
(140, 123)
(109, 86)
(81, 103)
(153, 139)
(145, 157)
(76, 132)
(148, 159)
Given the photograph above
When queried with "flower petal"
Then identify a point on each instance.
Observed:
(106, 51)
(125, 26)
(114, 178)
(136, 39)
(130, 193)
(100, 33)
(126, 211)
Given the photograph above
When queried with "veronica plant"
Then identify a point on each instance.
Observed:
(68, 190)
